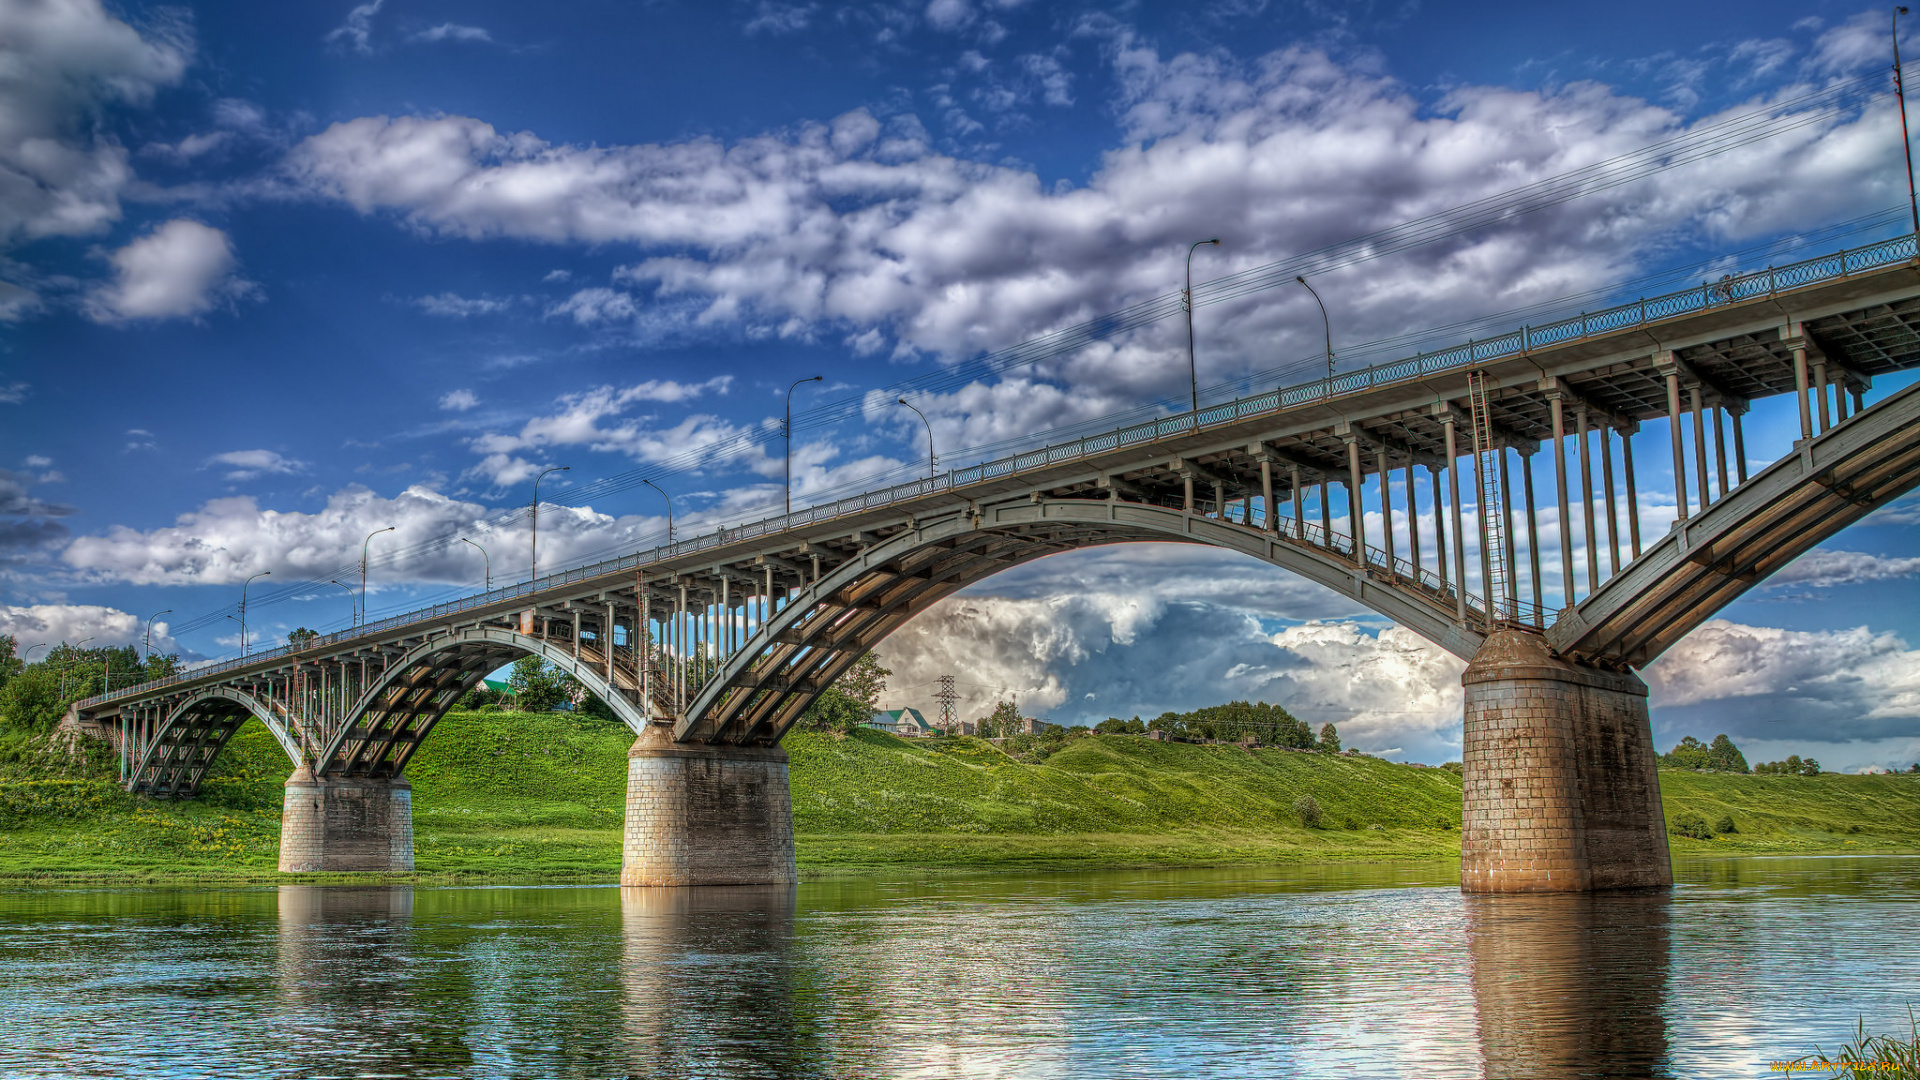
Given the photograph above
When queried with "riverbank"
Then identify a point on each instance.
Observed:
(539, 797)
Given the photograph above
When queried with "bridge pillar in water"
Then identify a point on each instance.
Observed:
(1560, 791)
(706, 815)
(336, 825)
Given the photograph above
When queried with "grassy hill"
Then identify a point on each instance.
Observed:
(518, 794)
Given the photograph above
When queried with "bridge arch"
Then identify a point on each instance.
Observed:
(395, 714)
(763, 688)
(176, 757)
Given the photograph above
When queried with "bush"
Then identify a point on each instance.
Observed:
(1725, 824)
(1690, 824)
(1309, 810)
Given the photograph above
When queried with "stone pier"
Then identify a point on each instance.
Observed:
(1560, 790)
(346, 826)
(706, 815)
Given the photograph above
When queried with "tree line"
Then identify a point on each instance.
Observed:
(35, 694)
(1265, 724)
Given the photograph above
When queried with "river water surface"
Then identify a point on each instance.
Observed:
(1363, 970)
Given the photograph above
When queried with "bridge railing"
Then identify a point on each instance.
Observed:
(1728, 290)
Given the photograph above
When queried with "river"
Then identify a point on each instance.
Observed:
(1347, 969)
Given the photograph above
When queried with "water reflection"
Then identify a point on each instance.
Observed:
(1570, 986)
(712, 985)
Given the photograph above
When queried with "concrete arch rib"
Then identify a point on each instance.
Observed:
(763, 688)
(193, 734)
(393, 717)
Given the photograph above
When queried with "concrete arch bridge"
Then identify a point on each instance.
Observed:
(1408, 487)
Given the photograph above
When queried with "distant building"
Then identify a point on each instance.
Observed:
(906, 723)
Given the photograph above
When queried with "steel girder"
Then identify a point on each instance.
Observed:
(762, 689)
(398, 711)
(1707, 561)
(193, 734)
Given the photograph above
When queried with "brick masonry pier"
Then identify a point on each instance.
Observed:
(706, 814)
(1560, 790)
(346, 826)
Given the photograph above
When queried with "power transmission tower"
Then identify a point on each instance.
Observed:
(949, 718)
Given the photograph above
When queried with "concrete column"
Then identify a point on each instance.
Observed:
(342, 826)
(1413, 524)
(1560, 791)
(1800, 389)
(1559, 417)
(1679, 444)
(1356, 513)
(706, 815)
(1272, 523)
(1533, 541)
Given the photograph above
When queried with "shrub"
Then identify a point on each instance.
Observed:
(1309, 810)
(1688, 823)
(1725, 824)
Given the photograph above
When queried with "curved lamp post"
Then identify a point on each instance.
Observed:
(487, 557)
(669, 498)
(933, 459)
(363, 568)
(786, 431)
(68, 666)
(264, 573)
(149, 636)
(533, 574)
(353, 604)
(1324, 322)
(1906, 144)
(1193, 374)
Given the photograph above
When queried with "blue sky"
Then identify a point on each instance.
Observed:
(273, 276)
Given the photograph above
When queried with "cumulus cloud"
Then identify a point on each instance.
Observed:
(61, 61)
(856, 227)
(1822, 567)
(182, 268)
(247, 464)
(594, 419)
(28, 524)
(52, 624)
(357, 32)
(1821, 685)
(226, 540)
(458, 400)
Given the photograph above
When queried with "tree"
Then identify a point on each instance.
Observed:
(1003, 722)
(1112, 725)
(539, 686)
(852, 699)
(302, 638)
(10, 665)
(30, 701)
(1309, 810)
(1689, 753)
(1329, 739)
(1723, 756)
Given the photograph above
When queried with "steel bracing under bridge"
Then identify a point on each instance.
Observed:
(729, 636)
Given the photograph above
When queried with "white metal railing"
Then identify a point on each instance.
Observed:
(1730, 290)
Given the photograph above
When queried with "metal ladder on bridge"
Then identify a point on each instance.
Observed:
(1493, 546)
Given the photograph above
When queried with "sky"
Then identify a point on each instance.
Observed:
(273, 277)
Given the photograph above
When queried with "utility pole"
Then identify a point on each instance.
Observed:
(949, 717)
(1193, 372)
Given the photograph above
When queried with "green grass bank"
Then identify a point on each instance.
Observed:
(504, 795)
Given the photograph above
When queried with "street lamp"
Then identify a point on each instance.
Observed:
(149, 637)
(68, 666)
(669, 498)
(1324, 322)
(933, 460)
(243, 602)
(363, 568)
(1193, 374)
(1906, 144)
(353, 605)
(484, 555)
(29, 652)
(533, 574)
(786, 431)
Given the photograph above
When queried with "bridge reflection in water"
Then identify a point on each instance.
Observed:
(1570, 984)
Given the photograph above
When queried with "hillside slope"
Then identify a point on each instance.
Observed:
(519, 794)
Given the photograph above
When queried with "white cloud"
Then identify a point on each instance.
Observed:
(357, 31)
(53, 624)
(453, 306)
(452, 32)
(580, 421)
(140, 439)
(458, 400)
(226, 540)
(949, 14)
(1822, 567)
(589, 307)
(857, 230)
(16, 303)
(247, 464)
(61, 63)
(777, 19)
(13, 393)
(182, 268)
